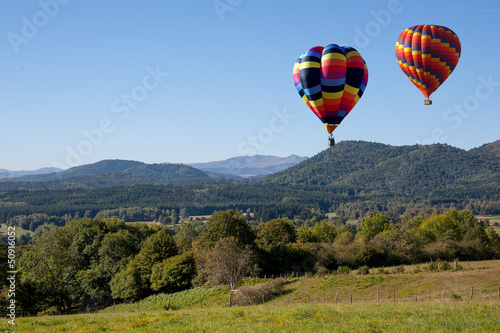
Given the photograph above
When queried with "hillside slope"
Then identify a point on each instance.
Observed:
(407, 170)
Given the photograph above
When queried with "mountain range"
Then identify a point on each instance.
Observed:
(7, 173)
(353, 177)
(250, 166)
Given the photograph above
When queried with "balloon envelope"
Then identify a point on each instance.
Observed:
(330, 80)
(428, 54)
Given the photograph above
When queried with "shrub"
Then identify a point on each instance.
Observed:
(363, 270)
(343, 270)
(254, 294)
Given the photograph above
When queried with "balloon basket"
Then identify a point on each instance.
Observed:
(331, 141)
(427, 102)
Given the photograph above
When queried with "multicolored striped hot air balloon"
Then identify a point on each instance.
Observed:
(428, 54)
(330, 80)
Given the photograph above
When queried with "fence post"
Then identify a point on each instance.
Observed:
(351, 298)
(201, 303)
(471, 292)
(378, 296)
(444, 294)
(416, 299)
(336, 297)
(308, 299)
(499, 292)
(429, 295)
(114, 307)
(324, 297)
(394, 296)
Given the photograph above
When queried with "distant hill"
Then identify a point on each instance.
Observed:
(9, 173)
(113, 173)
(250, 166)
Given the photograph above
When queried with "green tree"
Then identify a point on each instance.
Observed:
(464, 218)
(374, 225)
(224, 224)
(174, 217)
(439, 226)
(275, 232)
(127, 284)
(116, 249)
(185, 235)
(325, 232)
(183, 214)
(173, 274)
(306, 235)
(49, 267)
(345, 248)
(134, 280)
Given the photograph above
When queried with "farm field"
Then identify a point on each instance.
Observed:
(415, 301)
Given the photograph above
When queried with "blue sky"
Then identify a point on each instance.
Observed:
(196, 81)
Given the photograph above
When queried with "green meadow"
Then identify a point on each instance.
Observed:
(405, 299)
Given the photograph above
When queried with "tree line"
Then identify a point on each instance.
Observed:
(98, 261)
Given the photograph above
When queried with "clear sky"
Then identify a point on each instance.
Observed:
(203, 80)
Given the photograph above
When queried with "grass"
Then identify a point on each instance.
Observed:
(493, 219)
(311, 304)
(19, 231)
(473, 316)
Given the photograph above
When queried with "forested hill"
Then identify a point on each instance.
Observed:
(110, 173)
(373, 170)
(350, 179)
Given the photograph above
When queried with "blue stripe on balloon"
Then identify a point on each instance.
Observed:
(332, 82)
(313, 90)
(312, 54)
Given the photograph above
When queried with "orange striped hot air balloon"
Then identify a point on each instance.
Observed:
(428, 54)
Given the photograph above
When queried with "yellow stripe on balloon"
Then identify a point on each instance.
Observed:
(317, 102)
(309, 64)
(333, 56)
(350, 89)
(332, 95)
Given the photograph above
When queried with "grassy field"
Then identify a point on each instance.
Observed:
(473, 316)
(492, 219)
(415, 301)
(19, 231)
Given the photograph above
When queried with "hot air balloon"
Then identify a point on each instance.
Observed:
(428, 54)
(330, 80)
